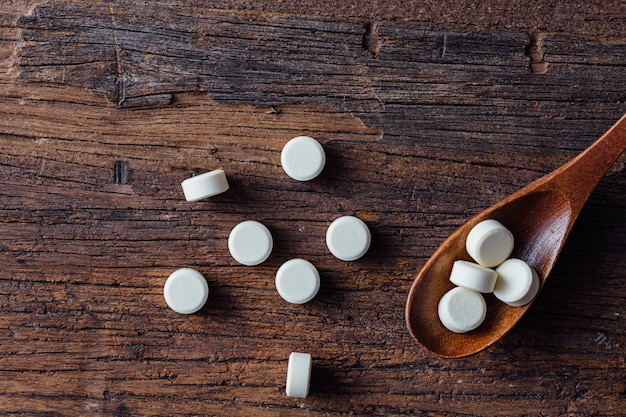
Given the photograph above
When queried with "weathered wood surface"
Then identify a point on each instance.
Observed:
(426, 119)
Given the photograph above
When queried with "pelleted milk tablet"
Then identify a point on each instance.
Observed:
(186, 291)
(297, 281)
(298, 375)
(473, 276)
(461, 310)
(517, 283)
(250, 243)
(489, 243)
(348, 238)
(205, 185)
(303, 158)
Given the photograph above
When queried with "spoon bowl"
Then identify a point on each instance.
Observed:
(540, 216)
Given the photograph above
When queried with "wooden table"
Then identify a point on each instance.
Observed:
(428, 113)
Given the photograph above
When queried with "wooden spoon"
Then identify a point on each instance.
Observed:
(540, 216)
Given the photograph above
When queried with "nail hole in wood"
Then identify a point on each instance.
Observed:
(121, 172)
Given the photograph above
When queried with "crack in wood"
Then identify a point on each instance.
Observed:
(148, 101)
(122, 411)
(119, 95)
(535, 52)
(372, 42)
(444, 45)
(121, 172)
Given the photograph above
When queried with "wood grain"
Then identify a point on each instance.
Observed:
(106, 107)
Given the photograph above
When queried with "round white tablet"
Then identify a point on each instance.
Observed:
(205, 185)
(517, 283)
(348, 238)
(489, 243)
(186, 291)
(473, 276)
(462, 310)
(298, 375)
(250, 243)
(303, 158)
(297, 281)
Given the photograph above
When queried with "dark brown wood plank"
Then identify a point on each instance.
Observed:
(426, 119)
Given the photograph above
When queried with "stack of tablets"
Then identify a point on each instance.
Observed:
(513, 281)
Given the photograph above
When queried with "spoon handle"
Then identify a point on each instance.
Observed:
(577, 178)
